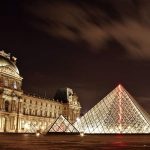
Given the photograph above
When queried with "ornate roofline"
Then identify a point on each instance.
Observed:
(2, 53)
(8, 56)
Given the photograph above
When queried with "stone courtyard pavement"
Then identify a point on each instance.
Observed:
(73, 142)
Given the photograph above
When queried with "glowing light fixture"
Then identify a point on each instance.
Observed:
(81, 134)
(26, 126)
(37, 134)
(77, 119)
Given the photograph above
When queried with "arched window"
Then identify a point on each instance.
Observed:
(7, 106)
(18, 85)
(45, 113)
(15, 85)
(6, 82)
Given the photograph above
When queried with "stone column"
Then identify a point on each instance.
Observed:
(2, 104)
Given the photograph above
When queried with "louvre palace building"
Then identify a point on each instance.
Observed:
(23, 113)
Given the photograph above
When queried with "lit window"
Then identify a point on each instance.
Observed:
(15, 85)
(45, 113)
(6, 82)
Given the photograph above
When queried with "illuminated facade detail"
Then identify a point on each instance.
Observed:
(117, 113)
(62, 125)
(25, 113)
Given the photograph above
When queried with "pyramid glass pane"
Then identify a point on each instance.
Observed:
(118, 112)
(30, 128)
(62, 125)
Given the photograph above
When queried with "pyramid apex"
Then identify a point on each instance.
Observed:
(120, 87)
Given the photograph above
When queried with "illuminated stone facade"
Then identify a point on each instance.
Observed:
(25, 113)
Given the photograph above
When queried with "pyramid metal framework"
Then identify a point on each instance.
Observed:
(62, 125)
(117, 113)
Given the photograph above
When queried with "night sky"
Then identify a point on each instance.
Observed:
(89, 46)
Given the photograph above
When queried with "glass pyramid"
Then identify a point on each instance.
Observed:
(30, 128)
(117, 113)
(62, 125)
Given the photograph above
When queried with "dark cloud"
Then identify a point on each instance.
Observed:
(127, 22)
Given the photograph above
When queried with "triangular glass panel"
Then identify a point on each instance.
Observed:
(118, 112)
(62, 125)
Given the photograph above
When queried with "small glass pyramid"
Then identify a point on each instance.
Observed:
(62, 125)
(117, 113)
(30, 128)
